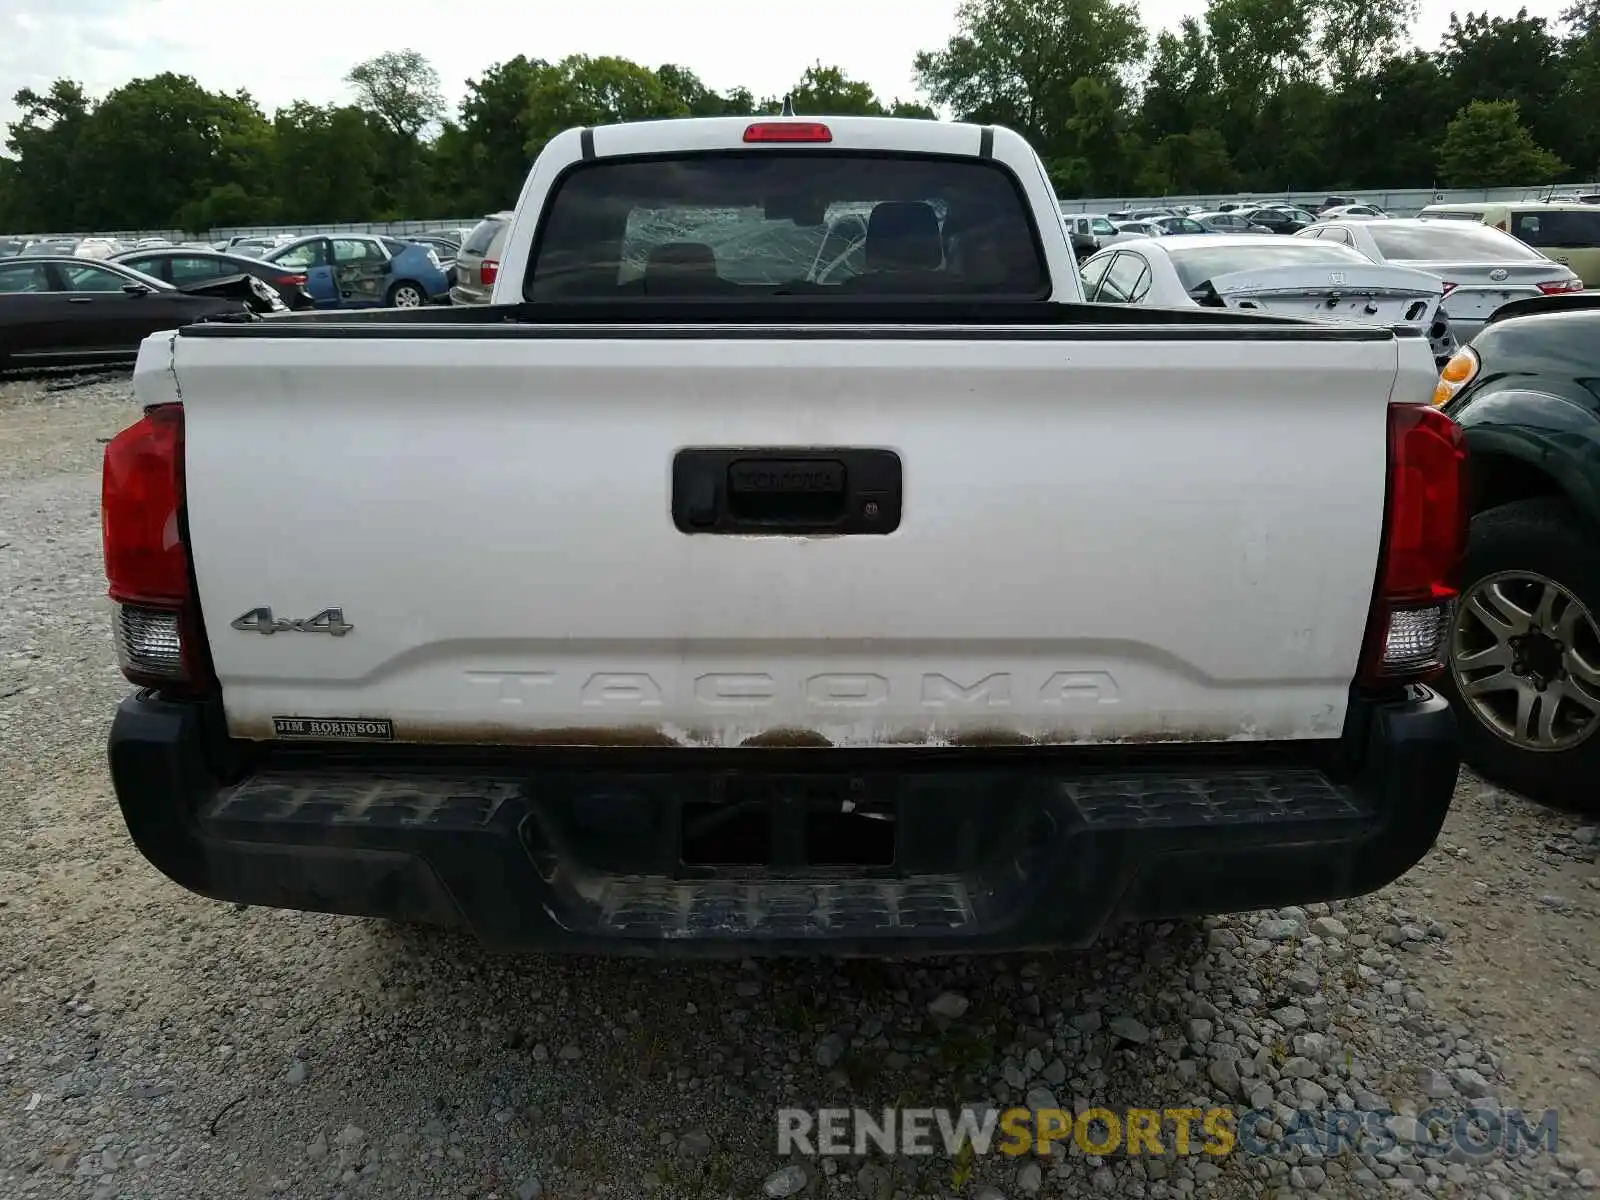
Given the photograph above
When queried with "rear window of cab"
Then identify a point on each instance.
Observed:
(749, 225)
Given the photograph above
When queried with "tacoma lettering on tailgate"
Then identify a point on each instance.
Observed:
(745, 690)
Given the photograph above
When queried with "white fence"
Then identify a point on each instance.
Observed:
(398, 228)
(1402, 201)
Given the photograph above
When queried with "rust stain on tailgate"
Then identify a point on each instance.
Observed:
(787, 739)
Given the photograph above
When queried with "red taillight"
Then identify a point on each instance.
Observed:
(788, 131)
(488, 271)
(291, 281)
(159, 642)
(1424, 538)
(140, 495)
(1561, 287)
(1449, 287)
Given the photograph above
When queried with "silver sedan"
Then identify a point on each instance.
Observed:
(1480, 268)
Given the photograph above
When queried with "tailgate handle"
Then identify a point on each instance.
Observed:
(786, 491)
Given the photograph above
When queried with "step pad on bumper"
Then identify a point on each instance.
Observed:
(398, 801)
(1110, 802)
(666, 908)
(1139, 802)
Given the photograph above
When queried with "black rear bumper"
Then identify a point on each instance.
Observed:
(589, 851)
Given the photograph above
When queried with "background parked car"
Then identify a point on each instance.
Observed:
(51, 246)
(478, 262)
(180, 266)
(1137, 229)
(1229, 222)
(253, 245)
(1352, 212)
(96, 247)
(1095, 226)
(1083, 244)
(355, 270)
(1565, 233)
(1525, 652)
(1279, 218)
(444, 247)
(66, 309)
(1272, 275)
(1482, 268)
(1171, 225)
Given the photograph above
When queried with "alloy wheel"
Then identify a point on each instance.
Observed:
(1525, 656)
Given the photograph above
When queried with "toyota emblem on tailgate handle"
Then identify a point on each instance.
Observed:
(1498, 274)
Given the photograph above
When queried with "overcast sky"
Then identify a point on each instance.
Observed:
(300, 49)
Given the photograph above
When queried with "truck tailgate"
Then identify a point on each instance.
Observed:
(1152, 535)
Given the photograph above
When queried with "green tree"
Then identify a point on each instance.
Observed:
(46, 142)
(400, 91)
(327, 162)
(1487, 145)
(1510, 58)
(1261, 47)
(1096, 133)
(580, 90)
(402, 88)
(829, 92)
(484, 160)
(701, 101)
(154, 149)
(1580, 85)
(1014, 62)
(224, 205)
(1287, 146)
(1384, 126)
(8, 194)
(1195, 162)
(1353, 36)
(1180, 85)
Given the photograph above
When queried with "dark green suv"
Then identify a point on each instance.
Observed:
(1525, 662)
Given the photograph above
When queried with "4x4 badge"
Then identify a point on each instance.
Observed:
(261, 620)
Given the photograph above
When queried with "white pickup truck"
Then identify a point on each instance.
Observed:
(786, 559)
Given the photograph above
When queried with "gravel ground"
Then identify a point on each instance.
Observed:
(154, 1044)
